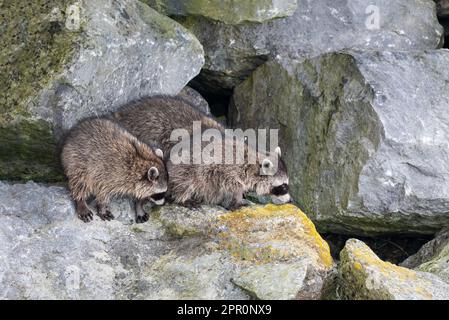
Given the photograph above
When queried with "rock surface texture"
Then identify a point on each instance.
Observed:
(232, 52)
(365, 136)
(62, 61)
(443, 8)
(433, 257)
(227, 11)
(362, 275)
(267, 252)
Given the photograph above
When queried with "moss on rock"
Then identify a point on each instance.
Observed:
(227, 11)
(65, 60)
(36, 46)
(28, 152)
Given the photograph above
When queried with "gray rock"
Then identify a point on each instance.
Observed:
(98, 56)
(442, 8)
(317, 27)
(362, 275)
(365, 136)
(433, 257)
(227, 11)
(209, 253)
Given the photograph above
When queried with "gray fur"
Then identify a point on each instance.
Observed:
(152, 121)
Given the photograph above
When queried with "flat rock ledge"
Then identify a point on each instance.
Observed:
(266, 252)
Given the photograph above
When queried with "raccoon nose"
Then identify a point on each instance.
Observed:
(158, 196)
(280, 190)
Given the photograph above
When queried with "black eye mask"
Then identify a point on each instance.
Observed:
(158, 196)
(280, 190)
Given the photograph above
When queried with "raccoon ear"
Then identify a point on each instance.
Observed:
(266, 165)
(153, 173)
(159, 153)
(278, 151)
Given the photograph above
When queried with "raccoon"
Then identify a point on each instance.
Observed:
(226, 184)
(152, 120)
(102, 159)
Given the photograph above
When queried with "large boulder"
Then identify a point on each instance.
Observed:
(433, 257)
(362, 275)
(227, 11)
(62, 61)
(267, 252)
(364, 134)
(316, 27)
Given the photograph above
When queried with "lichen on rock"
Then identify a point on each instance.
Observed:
(433, 257)
(227, 11)
(291, 234)
(209, 253)
(362, 275)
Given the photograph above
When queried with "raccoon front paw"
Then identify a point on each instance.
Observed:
(142, 218)
(191, 204)
(107, 216)
(85, 214)
(234, 206)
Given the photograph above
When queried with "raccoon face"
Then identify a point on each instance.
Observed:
(274, 179)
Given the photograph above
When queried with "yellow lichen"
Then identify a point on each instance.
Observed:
(280, 232)
(383, 280)
(365, 257)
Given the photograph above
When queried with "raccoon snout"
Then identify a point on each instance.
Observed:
(280, 190)
(280, 194)
(158, 198)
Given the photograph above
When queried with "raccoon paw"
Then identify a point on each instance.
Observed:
(106, 216)
(191, 204)
(234, 207)
(142, 218)
(86, 215)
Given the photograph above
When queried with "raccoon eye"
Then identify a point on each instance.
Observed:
(153, 173)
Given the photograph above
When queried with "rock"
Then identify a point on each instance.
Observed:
(227, 11)
(433, 257)
(63, 60)
(364, 136)
(317, 27)
(261, 251)
(195, 98)
(362, 275)
(443, 8)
